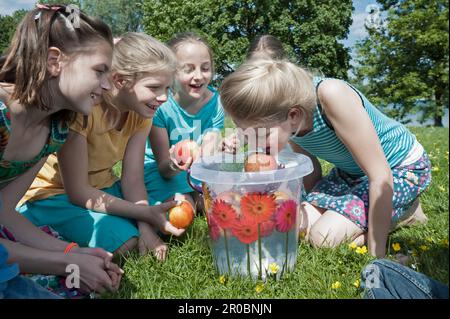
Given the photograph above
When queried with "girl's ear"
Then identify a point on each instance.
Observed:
(295, 118)
(118, 81)
(54, 60)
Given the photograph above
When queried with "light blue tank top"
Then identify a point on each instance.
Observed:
(323, 142)
(182, 125)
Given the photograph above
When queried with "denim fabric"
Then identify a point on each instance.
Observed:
(24, 288)
(385, 279)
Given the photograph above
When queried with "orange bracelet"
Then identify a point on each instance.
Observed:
(69, 247)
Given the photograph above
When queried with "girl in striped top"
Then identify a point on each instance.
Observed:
(380, 167)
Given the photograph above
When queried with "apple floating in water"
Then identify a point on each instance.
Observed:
(181, 216)
(259, 162)
(185, 149)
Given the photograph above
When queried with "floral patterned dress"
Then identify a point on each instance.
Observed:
(10, 170)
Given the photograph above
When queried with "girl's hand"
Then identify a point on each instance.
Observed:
(114, 271)
(230, 144)
(94, 275)
(160, 220)
(174, 165)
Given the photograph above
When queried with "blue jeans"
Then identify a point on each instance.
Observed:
(24, 288)
(385, 279)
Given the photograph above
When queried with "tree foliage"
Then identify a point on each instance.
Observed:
(8, 25)
(403, 65)
(310, 30)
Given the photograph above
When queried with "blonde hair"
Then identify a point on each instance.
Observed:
(263, 90)
(135, 56)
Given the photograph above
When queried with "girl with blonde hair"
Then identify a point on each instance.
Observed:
(380, 167)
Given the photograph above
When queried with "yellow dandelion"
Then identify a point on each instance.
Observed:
(222, 279)
(396, 247)
(336, 285)
(273, 268)
(361, 250)
(302, 235)
(259, 287)
(357, 284)
(435, 169)
(352, 246)
(424, 247)
(442, 188)
(444, 242)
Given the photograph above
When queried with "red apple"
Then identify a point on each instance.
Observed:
(185, 149)
(181, 216)
(258, 162)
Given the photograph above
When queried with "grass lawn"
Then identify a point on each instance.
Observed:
(189, 271)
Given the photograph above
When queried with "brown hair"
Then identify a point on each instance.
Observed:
(25, 61)
(268, 46)
(190, 37)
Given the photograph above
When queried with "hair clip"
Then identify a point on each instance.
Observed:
(46, 7)
(37, 15)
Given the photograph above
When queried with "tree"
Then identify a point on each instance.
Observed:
(121, 15)
(8, 25)
(403, 64)
(309, 29)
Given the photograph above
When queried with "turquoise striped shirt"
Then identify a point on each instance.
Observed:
(323, 142)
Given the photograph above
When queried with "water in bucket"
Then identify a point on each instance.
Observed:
(253, 217)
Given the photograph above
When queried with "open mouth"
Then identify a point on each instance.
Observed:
(196, 86)
(152, 107)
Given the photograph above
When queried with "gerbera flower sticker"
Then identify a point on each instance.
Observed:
(258, 207)
(285, 216)
(245, 230)
(224, 214)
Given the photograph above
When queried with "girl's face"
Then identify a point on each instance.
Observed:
(271, 137)
(148, 93)
(194, 70)
(83, 78)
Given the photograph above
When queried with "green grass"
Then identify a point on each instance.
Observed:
(189, 271)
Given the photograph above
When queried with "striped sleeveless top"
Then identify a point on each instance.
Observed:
(323, 142)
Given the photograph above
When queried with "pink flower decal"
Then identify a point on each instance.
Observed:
(285, 216)
(214, 229)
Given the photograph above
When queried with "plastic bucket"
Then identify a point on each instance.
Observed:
(253, 217)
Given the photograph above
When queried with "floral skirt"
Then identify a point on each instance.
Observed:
(349, 196)
(55, 284)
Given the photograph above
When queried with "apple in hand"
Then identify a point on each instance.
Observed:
(181, 216)
(258, 162)
(185, 149)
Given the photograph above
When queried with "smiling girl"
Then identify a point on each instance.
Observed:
(193, 111)
(94, 208)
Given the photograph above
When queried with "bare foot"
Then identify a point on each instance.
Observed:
(361, 240)
(150, 241)
(417, 217)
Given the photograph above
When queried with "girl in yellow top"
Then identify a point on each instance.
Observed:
(94, 208)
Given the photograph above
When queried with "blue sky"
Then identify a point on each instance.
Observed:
(357, 30)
